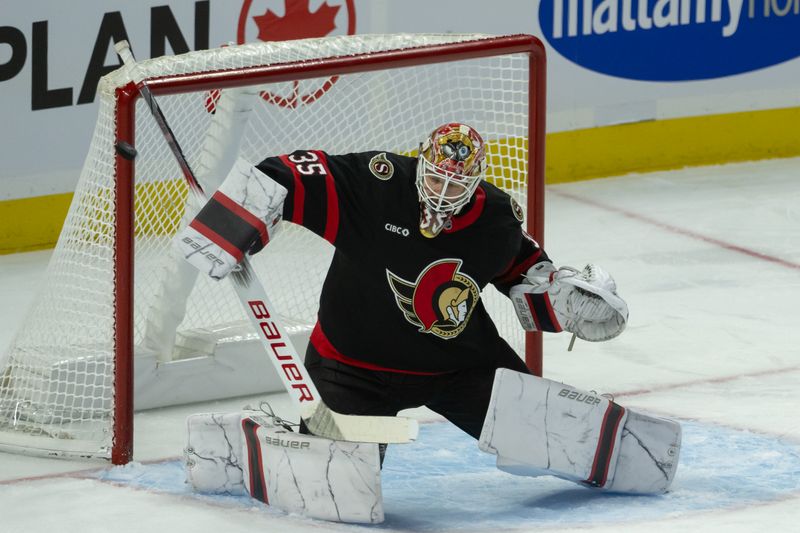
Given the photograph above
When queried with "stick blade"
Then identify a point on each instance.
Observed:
(326, 423)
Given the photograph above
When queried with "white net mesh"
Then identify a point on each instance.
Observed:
(57, 385)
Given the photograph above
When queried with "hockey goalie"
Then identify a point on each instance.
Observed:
(401, 324)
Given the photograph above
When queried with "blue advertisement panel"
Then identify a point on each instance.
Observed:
(673, 40)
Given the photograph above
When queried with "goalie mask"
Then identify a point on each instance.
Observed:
(451, 164)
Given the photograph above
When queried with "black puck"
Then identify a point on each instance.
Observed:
(126, 150)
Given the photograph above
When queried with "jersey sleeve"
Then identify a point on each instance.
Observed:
(528, 254)
(320, 187)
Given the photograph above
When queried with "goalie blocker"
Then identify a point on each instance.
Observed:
(540, 427)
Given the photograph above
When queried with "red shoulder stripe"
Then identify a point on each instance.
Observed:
(299, 191)
(332, 207)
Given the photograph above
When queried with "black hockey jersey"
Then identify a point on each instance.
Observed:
(394, 299)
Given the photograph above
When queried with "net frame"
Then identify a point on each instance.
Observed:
(127, 94)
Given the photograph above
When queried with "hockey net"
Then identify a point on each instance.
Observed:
(114, 292)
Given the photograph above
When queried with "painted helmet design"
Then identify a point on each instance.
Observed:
(452, 162)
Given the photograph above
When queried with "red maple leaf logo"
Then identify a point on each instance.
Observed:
(297, 23)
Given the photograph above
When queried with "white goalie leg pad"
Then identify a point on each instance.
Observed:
(312, 476)
(552, 427)
(648, 454)
(540, 427)
(212, 457)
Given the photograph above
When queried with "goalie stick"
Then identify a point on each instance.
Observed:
(318, 417)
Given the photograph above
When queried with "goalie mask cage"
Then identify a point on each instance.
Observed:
(114, 290)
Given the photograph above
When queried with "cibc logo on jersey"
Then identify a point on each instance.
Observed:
(391, 228)
(440, 301)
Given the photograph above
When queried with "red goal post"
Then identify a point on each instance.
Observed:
(75, 396)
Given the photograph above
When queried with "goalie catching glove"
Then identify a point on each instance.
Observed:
(581, 302)
(240, 218)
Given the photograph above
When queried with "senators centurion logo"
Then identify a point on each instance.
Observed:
(440, 301)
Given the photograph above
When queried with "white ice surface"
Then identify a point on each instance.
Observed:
(709, 262)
